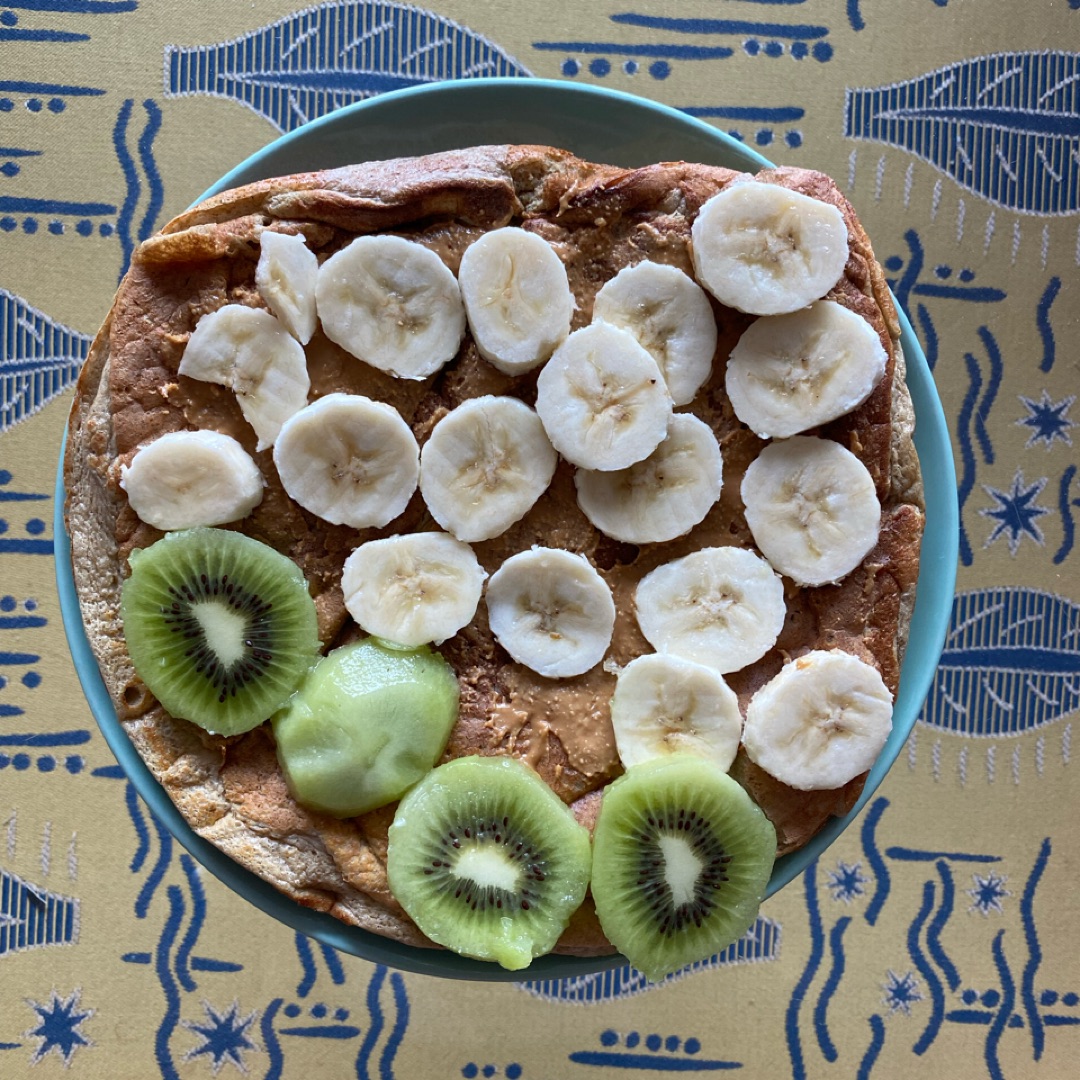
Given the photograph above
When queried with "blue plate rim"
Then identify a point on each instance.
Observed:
(929, 625)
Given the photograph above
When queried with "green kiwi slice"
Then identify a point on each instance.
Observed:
(487, 860)
(681, 858)
(367, 723)
(219, 626)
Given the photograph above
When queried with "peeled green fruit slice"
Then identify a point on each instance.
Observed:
(681, 860)
(367, 723)
(219, 626)
(487, 860)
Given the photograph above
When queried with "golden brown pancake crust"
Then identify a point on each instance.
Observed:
(599, 219)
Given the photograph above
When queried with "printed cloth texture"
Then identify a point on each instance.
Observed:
(937, 936)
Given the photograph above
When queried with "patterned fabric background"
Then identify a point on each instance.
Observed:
(937, 937)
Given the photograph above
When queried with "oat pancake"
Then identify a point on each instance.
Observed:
(598, 219)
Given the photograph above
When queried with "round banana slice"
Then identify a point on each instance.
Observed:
(722, 606)
(392, 303)
(788, 373)
(812, 508)
(249, 351)
(285, 277)
(189, 478)
(413, 589)
(349, 460)
(484, 466)
(820, 722)
(659, 498)
(551, 611)
(665, 705)
(766, 250)
(517, 298)
(602, 399)
(670, 316)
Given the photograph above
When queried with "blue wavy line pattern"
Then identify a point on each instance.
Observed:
(324, 57)
(198, 916)
(1042, 321)
(874, 860)
(1065, 505)
(967, 457)
(1001, 1019)
(993, 384)
(813, 961)
(39, 358)
(307, 964)
(1004, 126)
(1031, 938)
(937, 924)
(877, 1041)
(1010, 664)
(164, 973)
(836, 973)
(933, 984)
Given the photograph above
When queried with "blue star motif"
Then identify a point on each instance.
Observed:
(846, 882)
(1016, 512)
(1047, 419)
(224, 1037)
(58, 1027)
(901, 992)
(987, 893)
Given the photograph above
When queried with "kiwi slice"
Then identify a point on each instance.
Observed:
(487, 860)
(368, 722)
(220, 627)
(681, 858)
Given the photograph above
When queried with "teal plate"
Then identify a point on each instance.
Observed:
(598, 125)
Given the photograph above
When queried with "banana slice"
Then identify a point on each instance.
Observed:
(659, 498)
(788, 373)
(349, 460)
(551, 611)
(285, 277)
(413, 589)
(249, 351)
(820, 722)
(670, 316)
(664, 705)
(517, 298)
(602, 399)
(812, 508)
(189, 478)
(722, 607)
(766, 250)
(393, 304)
(484, 466)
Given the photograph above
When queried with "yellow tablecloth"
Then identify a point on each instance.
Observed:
(935, 938)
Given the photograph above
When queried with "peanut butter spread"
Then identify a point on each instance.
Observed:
(598, 219)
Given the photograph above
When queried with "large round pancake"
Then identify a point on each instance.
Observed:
(599, 219)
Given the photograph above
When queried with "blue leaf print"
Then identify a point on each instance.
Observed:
(324, 57)
(1011, 663)
(761, 942)
(39, 358)
(1005, 126)
(32, 917)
